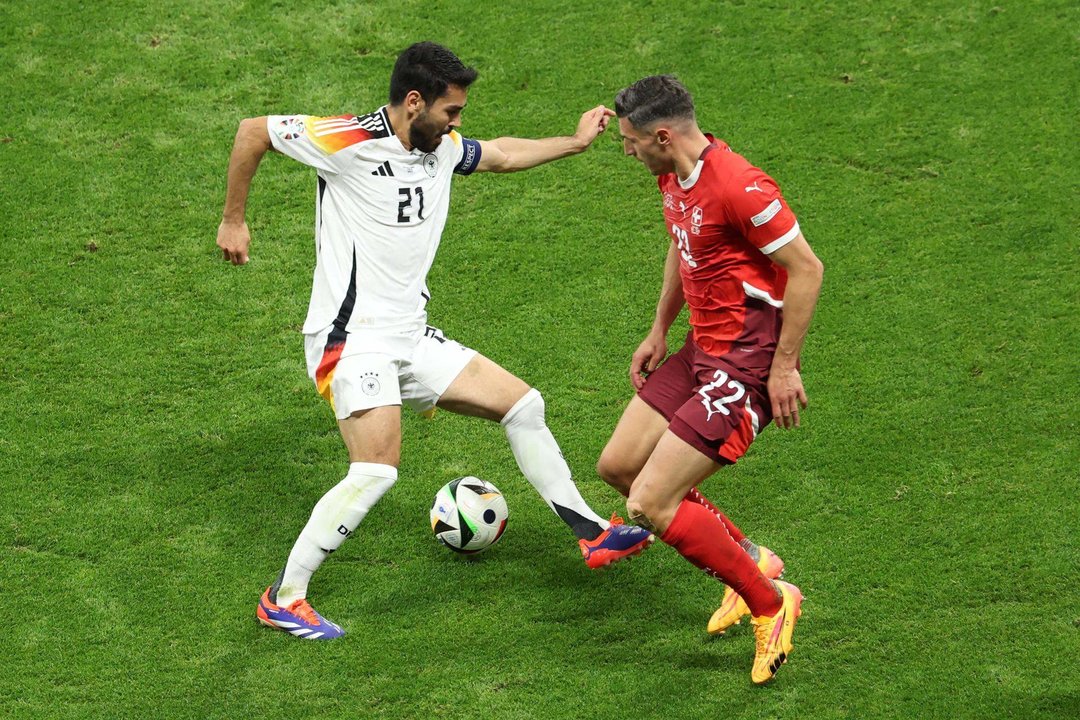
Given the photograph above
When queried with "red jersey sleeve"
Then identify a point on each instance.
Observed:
(755, 206)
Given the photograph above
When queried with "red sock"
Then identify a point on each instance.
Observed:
(701, 538)
(695, 496)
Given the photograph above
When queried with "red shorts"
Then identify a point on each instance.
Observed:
(708, 402)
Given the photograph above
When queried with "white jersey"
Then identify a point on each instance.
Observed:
(379, 215)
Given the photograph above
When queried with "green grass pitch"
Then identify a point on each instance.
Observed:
(161, 445)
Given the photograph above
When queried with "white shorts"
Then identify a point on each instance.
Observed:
(367, 369)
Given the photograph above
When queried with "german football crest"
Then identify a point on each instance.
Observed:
(431, 164)
(370, 384)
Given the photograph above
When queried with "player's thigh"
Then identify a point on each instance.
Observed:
(363, 389)
(633, 440)
(373, 435)
(673, 467)
(646, 417)
(483, 389)
(442, 372)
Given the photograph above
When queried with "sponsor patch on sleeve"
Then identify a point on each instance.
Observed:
(767, 214)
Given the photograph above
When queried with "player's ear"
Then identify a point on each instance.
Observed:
(414, 101)
(663, 136)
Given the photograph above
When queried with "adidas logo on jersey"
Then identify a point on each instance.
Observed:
(330, 126)
(373, 122)
(383, 170)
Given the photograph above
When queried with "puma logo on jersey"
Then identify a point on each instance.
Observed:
(384, 170)
(750, 188)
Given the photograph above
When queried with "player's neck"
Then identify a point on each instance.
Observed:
(688, 151)
(399, 120)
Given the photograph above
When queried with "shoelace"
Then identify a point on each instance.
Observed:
(305, 611)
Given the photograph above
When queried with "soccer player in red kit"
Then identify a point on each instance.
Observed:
(739, 260)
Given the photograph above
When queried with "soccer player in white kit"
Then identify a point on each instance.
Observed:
(382, 200)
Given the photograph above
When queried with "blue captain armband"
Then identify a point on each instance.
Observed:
(470, 157)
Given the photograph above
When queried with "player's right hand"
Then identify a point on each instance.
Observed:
(650, 353)
(592, 123)
(233, 239)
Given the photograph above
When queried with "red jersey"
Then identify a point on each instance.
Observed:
(725, 220)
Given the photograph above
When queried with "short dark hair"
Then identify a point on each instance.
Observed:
(653, 98)
(429, 69)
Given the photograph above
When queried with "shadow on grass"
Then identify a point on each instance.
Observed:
(1063, 704)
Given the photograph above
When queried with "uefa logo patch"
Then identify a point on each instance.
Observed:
(291, 128)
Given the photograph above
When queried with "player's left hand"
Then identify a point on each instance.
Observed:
(786, 394)
(592, 123)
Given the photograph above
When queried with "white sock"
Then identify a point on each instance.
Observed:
(333, 520)
(542, 463)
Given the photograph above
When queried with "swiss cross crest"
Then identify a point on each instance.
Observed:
(669, 202)
(696, 218)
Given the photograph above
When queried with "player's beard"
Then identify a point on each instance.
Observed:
(424, 136)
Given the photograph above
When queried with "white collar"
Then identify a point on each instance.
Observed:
(693, 178)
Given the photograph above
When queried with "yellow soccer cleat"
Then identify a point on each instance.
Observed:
(732, 608)
(773, 634)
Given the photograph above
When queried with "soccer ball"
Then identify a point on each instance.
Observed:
(468, 515)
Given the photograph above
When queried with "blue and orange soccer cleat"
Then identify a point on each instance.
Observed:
(617, 542)
(299, 619)
(732, 608)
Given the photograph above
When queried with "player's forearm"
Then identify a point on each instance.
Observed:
(800, 299)
(671, 294)
(252, 142)
(522, 154)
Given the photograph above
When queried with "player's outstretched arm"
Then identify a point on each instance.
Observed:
(507, 154)
(785, 386)
(252, 142)
(653, 349)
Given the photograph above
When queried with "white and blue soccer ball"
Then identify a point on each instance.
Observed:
(468, 515)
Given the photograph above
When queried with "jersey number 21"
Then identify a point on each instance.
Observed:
(404, 206)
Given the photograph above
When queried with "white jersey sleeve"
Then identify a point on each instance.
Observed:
(466, 153)
(323, 143)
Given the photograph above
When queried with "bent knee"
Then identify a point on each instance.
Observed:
(615, 471)
(527, 411)
(649, 509)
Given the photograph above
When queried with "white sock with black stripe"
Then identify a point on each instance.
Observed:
(542, 463)
(334, 518)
